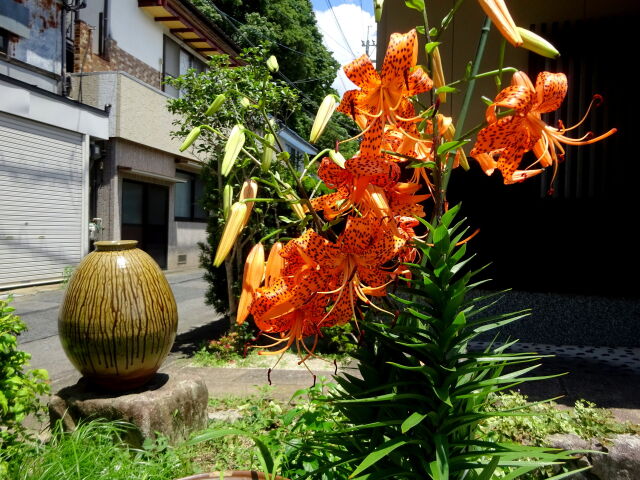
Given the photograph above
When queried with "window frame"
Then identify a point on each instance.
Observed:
(4, 36)
(193, 201)
(194, 61)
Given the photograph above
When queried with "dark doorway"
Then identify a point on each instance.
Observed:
(145, 217)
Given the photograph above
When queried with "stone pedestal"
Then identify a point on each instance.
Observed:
(174, 406)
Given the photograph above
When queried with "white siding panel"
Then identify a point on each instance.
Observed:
(41, 192)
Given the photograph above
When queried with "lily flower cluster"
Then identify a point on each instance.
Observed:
(329, 275)
(314, 281)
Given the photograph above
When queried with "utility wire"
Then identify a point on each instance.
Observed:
(279, 73)
(340, 28)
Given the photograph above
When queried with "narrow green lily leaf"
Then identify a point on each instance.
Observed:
(415, 4)
(446, 88)
(568, 474)
(429, 47)
(412, 420)
(379, 454)
(264, 453)
(448, 146)
(442, 457)
(487, 472)
(448, 217)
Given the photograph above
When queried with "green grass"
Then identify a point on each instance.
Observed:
(95, 450)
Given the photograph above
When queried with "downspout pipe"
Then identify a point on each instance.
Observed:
(67, 6)
(106, 28)
(63, 43)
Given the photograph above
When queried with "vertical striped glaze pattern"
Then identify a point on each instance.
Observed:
(118, 319)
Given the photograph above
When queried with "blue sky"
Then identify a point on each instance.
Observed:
(344, 25)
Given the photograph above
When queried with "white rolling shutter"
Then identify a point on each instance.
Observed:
(41, 208)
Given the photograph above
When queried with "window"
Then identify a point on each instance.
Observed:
(4, 41)
(176, 62)
(188, 197)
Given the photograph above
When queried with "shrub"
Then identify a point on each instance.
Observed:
(19, 388)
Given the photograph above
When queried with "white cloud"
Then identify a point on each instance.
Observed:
(354, 22)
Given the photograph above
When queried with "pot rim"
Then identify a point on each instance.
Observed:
(115, 245)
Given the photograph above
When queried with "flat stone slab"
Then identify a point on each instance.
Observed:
(172, 405)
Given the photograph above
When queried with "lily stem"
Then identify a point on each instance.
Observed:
(468, 95)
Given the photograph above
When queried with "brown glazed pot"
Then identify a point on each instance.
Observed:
(118, 319)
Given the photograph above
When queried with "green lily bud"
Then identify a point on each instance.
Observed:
(327, 107)
(537, 44)
(216, 104)
(232, 149)
(337, 158)
(227, 198)
(267, 153)
(272, 64)
(283, 156)
(245, 102)
(377, 8)
(193, 134)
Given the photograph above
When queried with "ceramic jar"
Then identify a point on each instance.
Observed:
(118, 319)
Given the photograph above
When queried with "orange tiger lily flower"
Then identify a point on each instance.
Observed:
(353, 186)
(510, 137)
(340, 273)
(382, 97)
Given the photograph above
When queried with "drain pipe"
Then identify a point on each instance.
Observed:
(67, 6)
(105, 29)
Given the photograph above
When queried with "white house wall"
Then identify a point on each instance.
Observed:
(136, 32)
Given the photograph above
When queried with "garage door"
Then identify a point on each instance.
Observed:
(41, 187)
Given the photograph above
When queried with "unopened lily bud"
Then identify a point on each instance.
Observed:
(438, 73)
(272, 64)
(227, 197)
(283, 156)
(499, 14)
(249, 190)
(275, 264)
(377, 9)
(337, 158)
(251, 279)
(268, 153)
(536, 44)
(294, 203)
(244, 102)
(216, 104)
(193, 134)
(327, 107)
(232, 149)
(230, 233)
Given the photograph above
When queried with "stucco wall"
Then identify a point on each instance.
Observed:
(139, 112)
(185, 242)
(142, 116)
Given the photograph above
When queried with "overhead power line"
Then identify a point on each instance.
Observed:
(344, 37)
(313, 103)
